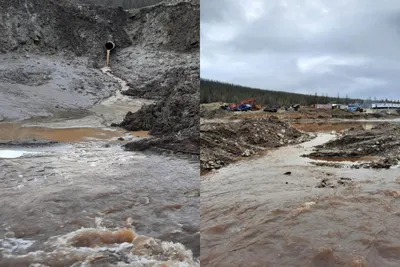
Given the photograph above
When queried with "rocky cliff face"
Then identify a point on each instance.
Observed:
(164, 65)
(48, 53)
(60, 27)
(157, 52)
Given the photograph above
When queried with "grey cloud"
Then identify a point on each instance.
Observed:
(272, 46)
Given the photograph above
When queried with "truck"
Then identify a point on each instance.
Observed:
(354, 107)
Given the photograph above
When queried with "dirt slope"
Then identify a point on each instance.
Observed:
(169, 75)
(225, 142)
(60, 27)
(49, 54)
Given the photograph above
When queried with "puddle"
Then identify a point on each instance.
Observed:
(140, 133)
(10, 131)
(345, 159)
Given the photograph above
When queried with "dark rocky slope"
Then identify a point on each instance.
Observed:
(227, 141)
(60, 27)
(169, 75)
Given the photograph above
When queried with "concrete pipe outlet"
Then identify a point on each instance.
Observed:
(110, 45)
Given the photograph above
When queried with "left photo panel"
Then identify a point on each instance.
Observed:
(99, 133)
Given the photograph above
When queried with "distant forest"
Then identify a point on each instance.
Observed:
(214, 91)
(126, 4)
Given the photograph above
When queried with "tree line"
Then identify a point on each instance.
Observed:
(215, 91)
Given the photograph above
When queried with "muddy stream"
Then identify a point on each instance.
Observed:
(71, 196)
(272, 211)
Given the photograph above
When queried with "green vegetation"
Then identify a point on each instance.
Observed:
(214, 91)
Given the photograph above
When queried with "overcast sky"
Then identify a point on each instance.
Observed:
(307, 46)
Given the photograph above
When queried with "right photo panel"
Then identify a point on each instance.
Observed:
(300, 133)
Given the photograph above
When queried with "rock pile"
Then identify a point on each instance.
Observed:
(381, 141)
(223, 143)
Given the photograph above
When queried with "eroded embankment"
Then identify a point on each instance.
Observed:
(227, 141)
(173, 75)
(382, 141)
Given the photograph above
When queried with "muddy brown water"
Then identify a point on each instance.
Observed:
(15, 132)
(337, 126)
(346, 159)
(254, 215)
(88, 199)
(87, 202)
(86, 185)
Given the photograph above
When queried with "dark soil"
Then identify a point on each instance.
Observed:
(383, 140)
(60, 27)
(30, 143)
(223, 143)
(213, 113)
(174, 119)
(345, 114)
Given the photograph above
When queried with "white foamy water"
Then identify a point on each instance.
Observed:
(11, 245)
(12, 154)
(88, 246)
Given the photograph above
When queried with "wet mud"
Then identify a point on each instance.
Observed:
(379, 143)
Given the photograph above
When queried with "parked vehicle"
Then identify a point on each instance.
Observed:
(245, 105)
(271, 109)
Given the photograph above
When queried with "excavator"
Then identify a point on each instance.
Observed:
(252, 103)
(245, 105)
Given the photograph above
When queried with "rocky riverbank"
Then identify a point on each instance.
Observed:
(381, 144)
(227, 141)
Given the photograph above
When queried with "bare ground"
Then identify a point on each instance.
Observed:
(229, 136)
(225, 142)
(382, 141)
